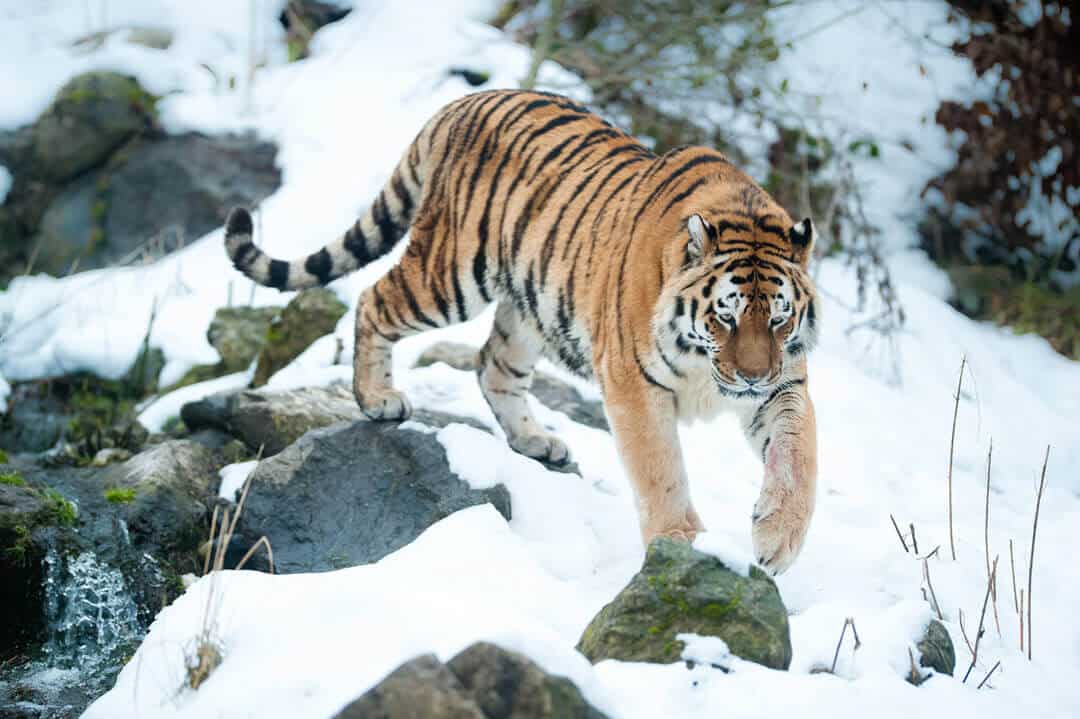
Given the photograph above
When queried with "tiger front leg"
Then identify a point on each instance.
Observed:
(643, 419)
(783, 431)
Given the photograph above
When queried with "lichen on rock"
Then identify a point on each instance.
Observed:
(680, 590)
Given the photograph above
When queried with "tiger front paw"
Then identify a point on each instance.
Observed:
(782, 513)
(681, 524)
(385, 405)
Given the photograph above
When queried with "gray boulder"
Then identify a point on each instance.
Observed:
(550, 390)
(352, 493)
(681, 590)
(482, 682)
(151, 197)
(22, 511)
(272, 420)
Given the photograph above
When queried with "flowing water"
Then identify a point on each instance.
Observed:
(93, 627)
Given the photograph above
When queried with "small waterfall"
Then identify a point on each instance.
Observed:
(93, 625)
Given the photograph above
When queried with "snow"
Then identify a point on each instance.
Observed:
(233, 477)
(341, 119)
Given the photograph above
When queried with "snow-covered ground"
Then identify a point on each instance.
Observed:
(304, 645)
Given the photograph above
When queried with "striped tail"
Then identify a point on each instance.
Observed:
(371, 237)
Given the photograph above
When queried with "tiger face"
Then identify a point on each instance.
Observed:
(746, 303)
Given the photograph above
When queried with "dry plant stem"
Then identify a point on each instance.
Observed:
(1012, 565)
(987, 677)
(963, 633)
(899, 535)
(213, 528)
(914, 677)
(264, 542)
(952, 447)
(914, 541)
(986, 540)
(982, 622)
(843, 631)
(1031, 561)
(1021, 621)
(933, 597)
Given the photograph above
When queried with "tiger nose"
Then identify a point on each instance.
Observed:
(751, 380)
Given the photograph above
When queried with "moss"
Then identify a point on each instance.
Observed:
(13, 479)
(19, 551)
(63, 512)
(3, 457)
(118, 495)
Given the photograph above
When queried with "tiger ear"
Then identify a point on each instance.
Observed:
(802, 236)
(699, 236)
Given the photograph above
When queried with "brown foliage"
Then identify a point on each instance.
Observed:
(1033, 109)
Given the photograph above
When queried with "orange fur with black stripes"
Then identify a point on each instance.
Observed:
(675, 282)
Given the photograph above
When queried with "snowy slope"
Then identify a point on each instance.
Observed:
(304, 645)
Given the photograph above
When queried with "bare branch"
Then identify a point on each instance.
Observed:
(987, 677)
(1031, 561)
(898, 534)
(982, 622)
(952, 447)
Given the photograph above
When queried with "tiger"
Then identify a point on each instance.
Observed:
(673, 281)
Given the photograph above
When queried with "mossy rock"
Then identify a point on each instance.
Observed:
(936, 649)
(681, 590)
(90, 117)
(309, 316)
(238, 334)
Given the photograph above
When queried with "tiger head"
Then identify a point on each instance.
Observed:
(744, 299)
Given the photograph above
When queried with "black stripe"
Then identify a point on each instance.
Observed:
(243, 253)
(651, 380)
(389, 232)
(320, 264)
(684, 194)
(403, 196)
(279, 274)
(410, 299)
(357, 245)
(674, 370)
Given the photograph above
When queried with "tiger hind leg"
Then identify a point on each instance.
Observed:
(505, 370)
(401, 303)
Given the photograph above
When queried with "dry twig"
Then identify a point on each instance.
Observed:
(982, 622)
(933, 597)
(836, 654)
(986, 540)
(1031, 562)
(899, 535)
(952, 447)
(987, 677)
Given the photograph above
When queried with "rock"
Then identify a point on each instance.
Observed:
(153, 196)
(482, 682)
(272, 420)
(91, 116)
(22, 512)
(352, 493)
(301, 18)
(109, 456)
(550, 390)
(936, 649)
(238, 334)
(681, 590)
(35, 420)
(173, 482)
(422, 688)
(307, 317)
(508, 685)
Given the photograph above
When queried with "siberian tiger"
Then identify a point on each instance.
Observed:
(674, 281)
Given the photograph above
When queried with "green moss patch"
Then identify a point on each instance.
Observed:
(118, 495)
(13, 479)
